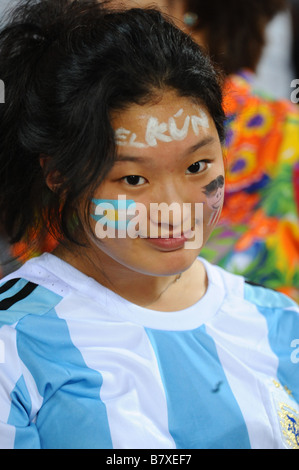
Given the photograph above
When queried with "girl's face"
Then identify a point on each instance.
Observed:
(151, 214)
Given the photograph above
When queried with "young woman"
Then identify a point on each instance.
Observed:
(123, 337)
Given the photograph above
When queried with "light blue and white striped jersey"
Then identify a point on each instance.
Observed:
(83, 368)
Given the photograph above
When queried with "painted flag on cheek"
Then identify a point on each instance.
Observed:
(114, 213)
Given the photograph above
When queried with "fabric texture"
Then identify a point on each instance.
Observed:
(81, 367)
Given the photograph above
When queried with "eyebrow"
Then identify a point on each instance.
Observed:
(128, 158)
(206, 141)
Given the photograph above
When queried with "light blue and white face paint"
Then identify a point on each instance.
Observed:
(123, 218)
(112, 215)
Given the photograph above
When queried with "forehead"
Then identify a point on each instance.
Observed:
(171, 118)
(164, 106)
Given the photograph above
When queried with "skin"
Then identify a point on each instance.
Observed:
(136, 268)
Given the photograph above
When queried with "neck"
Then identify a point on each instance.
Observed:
(164, 293)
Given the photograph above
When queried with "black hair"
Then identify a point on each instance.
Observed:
(234, 30)
(66, 66)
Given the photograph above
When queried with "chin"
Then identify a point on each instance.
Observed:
(170, 264)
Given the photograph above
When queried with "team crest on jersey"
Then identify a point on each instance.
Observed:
(289, 422)
(288, 414)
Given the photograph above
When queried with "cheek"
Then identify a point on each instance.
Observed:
(211, 213)
(213, 199)
(111, 215)
(211, 216)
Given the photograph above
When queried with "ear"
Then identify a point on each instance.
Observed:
(53, 178)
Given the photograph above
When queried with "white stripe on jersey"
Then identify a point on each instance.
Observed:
(132, 390)
(9, 375)
(112, 337)
(253, 356)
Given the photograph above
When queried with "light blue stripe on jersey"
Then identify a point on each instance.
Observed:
(283, 327)
(38, 302)
(27, 435)
(72, 415)
(214, 421)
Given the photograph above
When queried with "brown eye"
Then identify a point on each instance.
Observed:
(134, 180)
(197, 167)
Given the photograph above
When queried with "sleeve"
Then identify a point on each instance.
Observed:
(19, 398)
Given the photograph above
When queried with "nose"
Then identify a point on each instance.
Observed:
(168, 212)
(166, 215)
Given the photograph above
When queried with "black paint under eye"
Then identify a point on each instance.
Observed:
(195, 167)
(133, 180)
(213, 185)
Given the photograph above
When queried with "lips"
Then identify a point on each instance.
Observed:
(169, 244)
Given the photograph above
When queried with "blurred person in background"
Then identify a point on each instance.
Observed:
(275, 70)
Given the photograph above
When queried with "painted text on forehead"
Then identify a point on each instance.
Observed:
(161, 131)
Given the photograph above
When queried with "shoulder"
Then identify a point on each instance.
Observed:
(280, 311)
(240, 290)
(267, 298)
(31, 290)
